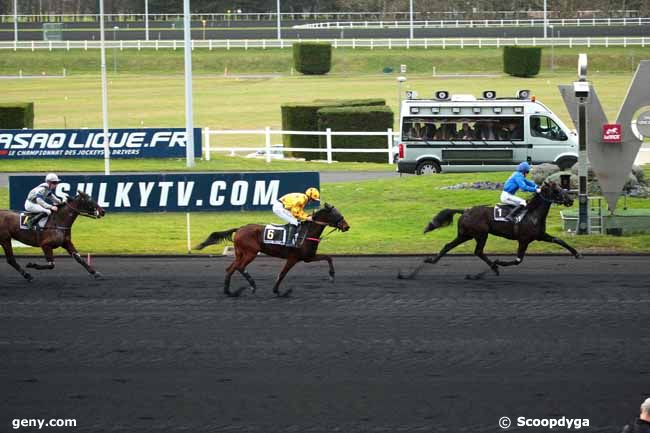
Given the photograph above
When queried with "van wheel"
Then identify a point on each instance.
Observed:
(566, 162)
(427, 167)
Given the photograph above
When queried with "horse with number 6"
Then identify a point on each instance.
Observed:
(57, 232)
(249, 241)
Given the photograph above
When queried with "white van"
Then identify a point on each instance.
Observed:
(465, 133)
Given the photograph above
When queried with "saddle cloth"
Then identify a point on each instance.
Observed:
(501, 210)
(26, 216)
(275, 234)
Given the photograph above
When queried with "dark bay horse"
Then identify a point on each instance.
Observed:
(56, 233)
(478, 222)
(248, 242)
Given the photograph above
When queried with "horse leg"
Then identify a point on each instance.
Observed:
(11, 259)
(321, 257)
(242, 270)
(291, 261)
(49, 257)
(433, 260)
(548, 238)
(70, 248)
(521, 252)
(478, 251)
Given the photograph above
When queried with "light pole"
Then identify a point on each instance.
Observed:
(107, 155)
(204, 23)
(279, 31)
(552, 47)
(411, 19)
(400, 80)
(189, 118)
(146, 19)
(16, 20)
(115, 29)
(545, 20)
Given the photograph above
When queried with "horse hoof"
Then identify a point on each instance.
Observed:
(97, 276)
(496, 271)
(28, 277)
(30, 265)
(331, 278)
(285, 294)
(429, 260)
(579, 256)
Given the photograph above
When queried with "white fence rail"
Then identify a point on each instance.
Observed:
(389, 43)
(209, 145)
(429, 24)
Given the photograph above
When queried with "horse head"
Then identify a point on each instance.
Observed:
(551, 191)
(332, 217)
(86, 206)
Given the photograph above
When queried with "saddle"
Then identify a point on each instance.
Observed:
(26, 217)
(502, 210)
(285, 235)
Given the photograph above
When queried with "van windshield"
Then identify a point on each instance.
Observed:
(463, 128)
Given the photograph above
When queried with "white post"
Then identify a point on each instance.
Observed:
(545, 20)
(207, 144)
(189, 241)
(107, 154)
(389, 133)
(329, 144)
(146, 19)
(15, 20)
(278, 21)
(267, 143)
(189, 130)
(411, 19)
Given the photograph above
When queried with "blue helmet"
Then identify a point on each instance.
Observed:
(523, 167)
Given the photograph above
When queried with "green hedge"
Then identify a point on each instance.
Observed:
(374, 118)
(17, 115)
(312, 58)
(304, 117)
(522, 61)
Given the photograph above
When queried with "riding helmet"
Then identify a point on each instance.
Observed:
(312, 193)
(523, 167)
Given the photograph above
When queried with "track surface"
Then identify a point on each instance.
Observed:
(155, 347)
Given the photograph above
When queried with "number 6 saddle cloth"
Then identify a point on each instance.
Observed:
(276, 234)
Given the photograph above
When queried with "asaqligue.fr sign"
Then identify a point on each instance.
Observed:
(174, 192)
(89, 143)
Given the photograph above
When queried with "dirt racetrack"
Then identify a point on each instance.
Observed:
(155, 347)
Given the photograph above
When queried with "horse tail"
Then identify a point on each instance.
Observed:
(217, 237)
(443, 219)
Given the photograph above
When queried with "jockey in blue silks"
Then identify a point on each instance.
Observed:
(517, 181)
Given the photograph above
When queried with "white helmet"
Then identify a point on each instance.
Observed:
(52, 178)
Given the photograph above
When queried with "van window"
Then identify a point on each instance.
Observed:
(463, 128)
(545, 127)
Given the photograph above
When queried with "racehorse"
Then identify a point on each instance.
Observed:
(248, 241)
(56, 233)
(478, 222)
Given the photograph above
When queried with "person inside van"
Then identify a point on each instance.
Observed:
(466, 132)
(536, 128)
(429, 131)
(515, 131)
(486, 131)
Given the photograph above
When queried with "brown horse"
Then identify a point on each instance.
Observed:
(248, 242)
(56, 233)
(478, 222)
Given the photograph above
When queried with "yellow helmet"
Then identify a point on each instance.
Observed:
(312, 193)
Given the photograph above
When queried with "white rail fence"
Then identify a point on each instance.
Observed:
(210, 146)
(228, 44)
(438, 24)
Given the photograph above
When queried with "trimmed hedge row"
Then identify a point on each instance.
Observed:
(312, 58)
(369, 118)
(522, 61)
(304, 117)
(17, 115)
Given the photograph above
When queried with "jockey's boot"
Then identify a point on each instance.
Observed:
(292, 235)
(513, 213)
(33, 221)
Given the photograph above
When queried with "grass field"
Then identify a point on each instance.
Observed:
(387, 216)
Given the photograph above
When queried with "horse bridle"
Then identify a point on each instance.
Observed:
(82, 213)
